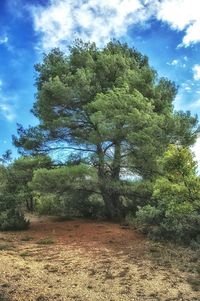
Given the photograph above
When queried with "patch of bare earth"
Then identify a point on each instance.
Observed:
(89, 261)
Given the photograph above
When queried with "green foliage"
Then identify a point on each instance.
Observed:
(108, 106)
(45, 241)
(148, 215)
(175, 210)
(48, 204)
(93, 207)
(66, 179)
(11, 215)
(13, 219)
(67, 191)
(136, 193)
(15, 193)
(22, 171)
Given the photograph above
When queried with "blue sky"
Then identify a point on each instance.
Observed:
(167, 31)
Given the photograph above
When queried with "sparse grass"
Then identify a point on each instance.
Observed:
(194, 282)
(3, 297)
(6, 247)
(26, 238)
(45, 241)
(41, 298)
(100, 262)
(63, 218)
(24, 254)
(185, 259)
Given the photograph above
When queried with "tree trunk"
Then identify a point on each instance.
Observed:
(112, 208)
(30, 204)
(109, 182)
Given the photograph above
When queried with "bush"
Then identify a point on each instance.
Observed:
(93, 207)
(13, 219)
(148, 215)
(47, 204)
(175, 210)
(137, 193)
(66, 191)
(69, 205)
(171, 224)
(181, 227)
(11, 215)
(130, 220)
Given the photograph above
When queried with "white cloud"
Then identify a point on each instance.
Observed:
(192, 33)
(196, 70)
(182, 15)
(187, 89)
(61, 21)
(195, 104)
(95, 20)
(178, 13)
(178, 63)
(3, 40)
(6, 110)
(7, 107)
(174, 62)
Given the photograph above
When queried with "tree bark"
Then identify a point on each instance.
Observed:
(30, 205)
(108, 183)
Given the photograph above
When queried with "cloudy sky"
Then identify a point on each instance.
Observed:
(167, 31)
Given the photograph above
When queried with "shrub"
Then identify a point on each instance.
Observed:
(175, 210)
(48, 204)
(11, 214)
(13, 219)
(136, 194)
(66, 191)
(70, 204)
(93, 207)
(45, 241)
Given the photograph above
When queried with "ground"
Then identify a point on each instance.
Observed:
(93, 261)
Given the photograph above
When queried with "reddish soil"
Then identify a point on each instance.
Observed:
(85, 233)
(93, 261)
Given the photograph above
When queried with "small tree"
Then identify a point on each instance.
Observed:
(66, 190)
(22, 171)
(11, 213)
(175, 210)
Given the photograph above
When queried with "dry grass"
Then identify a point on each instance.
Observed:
(91, 261)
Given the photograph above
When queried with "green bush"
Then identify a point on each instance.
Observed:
(175, 210)
(68, 191)
(147, 216)
(47, 204)
(13, 219)
(93, 207)
(69, 205)
(135, 194)
(11, 214)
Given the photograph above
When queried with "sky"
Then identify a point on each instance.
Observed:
(167, 31)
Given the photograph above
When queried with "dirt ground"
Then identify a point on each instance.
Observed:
(93, 261)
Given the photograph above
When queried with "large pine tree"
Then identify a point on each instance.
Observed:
(109, 106)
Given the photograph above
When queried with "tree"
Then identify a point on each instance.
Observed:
(65, 191)
(15, 192)
(22, 171)
(11, 212)
(174, 212)
(109, 106)
(6, 158)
